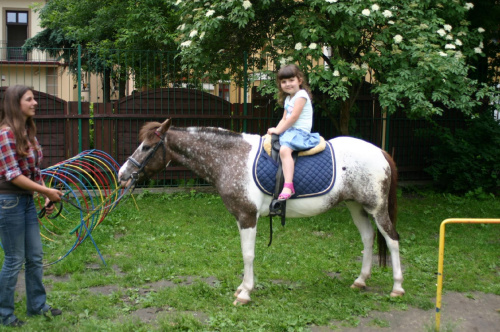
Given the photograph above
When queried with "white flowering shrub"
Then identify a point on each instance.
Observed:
(415, 51)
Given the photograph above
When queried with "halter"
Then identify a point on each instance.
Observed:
(141, 166)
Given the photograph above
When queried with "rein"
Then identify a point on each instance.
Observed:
(141, 166)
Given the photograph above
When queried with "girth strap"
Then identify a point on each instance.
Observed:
(277, 208)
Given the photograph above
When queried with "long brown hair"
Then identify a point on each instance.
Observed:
(12, 116)
(290, 71)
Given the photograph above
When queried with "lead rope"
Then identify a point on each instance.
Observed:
(270, 230)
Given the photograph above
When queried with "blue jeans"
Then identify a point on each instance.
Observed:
(21, 242)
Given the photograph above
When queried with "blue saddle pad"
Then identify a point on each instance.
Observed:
(314, 175)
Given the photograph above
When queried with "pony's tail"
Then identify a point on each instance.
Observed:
(393, 211)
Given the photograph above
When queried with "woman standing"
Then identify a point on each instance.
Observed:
(20, 177)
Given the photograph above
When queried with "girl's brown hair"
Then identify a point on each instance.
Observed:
(12, 116)
(290, 71)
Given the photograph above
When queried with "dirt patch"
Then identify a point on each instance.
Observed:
(151, 314)
(459, 313)
(21, 283)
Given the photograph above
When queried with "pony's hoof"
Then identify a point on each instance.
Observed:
(238, 291)
(397, 293)
(357, 285)
(240, 301)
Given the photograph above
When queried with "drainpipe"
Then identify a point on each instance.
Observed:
(80, 98)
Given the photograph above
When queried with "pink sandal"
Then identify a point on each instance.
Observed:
(285, 196)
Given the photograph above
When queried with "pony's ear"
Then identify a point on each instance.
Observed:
(164, 126)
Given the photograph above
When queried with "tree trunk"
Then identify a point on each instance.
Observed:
(106, 86)
(122, 84)
(346, 105)
(345, 115)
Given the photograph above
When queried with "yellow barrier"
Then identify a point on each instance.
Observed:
(441, 256)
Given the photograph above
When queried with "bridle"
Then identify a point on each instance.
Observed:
(135, 175)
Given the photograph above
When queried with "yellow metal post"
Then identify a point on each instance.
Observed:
(441, 256)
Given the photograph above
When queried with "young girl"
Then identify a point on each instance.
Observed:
(295, 126)
(19, 231)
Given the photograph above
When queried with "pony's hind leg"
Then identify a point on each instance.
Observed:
(391, 237)
(362, 222)
(397, 289)
(243, 291)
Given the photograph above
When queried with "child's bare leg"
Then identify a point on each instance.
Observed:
(288, 166)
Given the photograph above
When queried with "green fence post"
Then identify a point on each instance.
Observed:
(245, 87)
(387, 118)
(80, 98)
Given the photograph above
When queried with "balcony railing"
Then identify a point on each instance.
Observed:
(17, 54)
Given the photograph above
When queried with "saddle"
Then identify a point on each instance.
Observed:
(272, 147)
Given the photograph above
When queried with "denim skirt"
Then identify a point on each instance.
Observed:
(298, 139)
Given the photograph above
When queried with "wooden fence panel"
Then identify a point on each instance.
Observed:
(50, 119)
(77, 123)
(104, 129)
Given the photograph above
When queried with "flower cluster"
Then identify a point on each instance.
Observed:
(387, 13)
(398, 39)
(446, 32)
(375, 8)
(469, 5)
(284, 61)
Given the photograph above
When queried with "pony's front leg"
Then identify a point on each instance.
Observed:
(248, 236)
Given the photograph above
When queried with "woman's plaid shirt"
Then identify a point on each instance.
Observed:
(12, 165)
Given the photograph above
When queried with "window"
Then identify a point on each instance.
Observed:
(52, 78)
(224, 91)
(208, 87)
(17, 33)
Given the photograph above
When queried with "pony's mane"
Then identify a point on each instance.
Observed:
(147, 131)
(208, 130)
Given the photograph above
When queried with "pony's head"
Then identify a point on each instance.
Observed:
(150, 157)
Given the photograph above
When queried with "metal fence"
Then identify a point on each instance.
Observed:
(100, 99)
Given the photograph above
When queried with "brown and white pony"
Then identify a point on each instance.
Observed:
(366, 180)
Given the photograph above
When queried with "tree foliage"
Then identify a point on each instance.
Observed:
(416, 52)
(113, 24)
(485, 14)
(469, 158)
(105, 29)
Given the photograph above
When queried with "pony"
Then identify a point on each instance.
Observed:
(366, 180)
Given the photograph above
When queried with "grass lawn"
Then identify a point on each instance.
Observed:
(179, 257)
